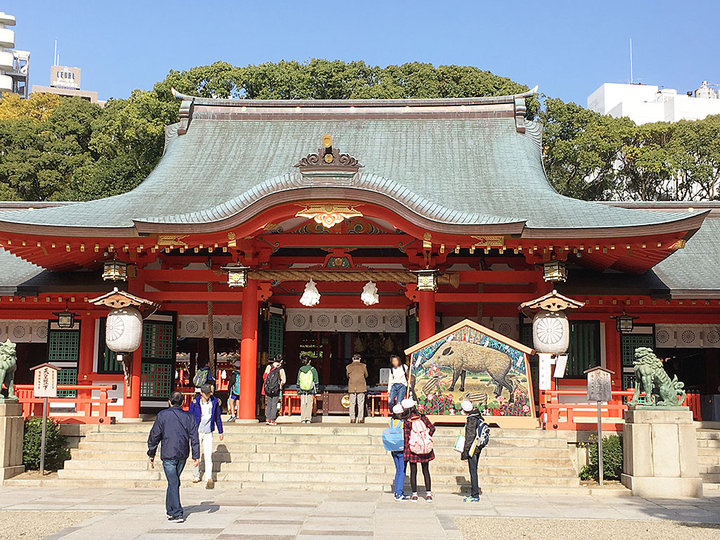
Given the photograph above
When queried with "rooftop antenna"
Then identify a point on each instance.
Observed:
(631, 71)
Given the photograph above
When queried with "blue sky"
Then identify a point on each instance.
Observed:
(568, 48)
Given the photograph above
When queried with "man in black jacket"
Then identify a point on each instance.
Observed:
(474, 418)
(178, 432)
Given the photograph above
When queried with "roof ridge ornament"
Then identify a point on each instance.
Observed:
(328, 160)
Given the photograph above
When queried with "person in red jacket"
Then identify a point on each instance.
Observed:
(418, 431)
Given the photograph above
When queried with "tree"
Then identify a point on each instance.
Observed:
(38, 107)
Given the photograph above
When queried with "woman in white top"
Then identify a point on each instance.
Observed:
(397, 382)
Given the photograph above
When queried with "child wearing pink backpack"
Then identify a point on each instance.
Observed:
(418, 431)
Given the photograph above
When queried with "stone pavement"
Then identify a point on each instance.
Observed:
(224, 514)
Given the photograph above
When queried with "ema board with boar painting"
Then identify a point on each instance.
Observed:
(469, 361)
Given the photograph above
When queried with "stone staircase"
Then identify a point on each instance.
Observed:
(708, 441)
(323, 457)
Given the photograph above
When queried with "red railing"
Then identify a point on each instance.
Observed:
(583, 416)
(88, 409)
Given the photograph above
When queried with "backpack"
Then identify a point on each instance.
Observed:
(201, 377)
(235, 386)
(483, 434)
(420, 442)
(272, 383)
(393, 438)
(306, 380)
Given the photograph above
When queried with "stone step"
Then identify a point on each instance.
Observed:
(709, 469)
(710, 477)
(708, 459)
(708, 434)
(708, 443)
(705, 451)
(708, 488)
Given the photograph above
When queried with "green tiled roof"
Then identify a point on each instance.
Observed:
(14, 271)
(452, 168)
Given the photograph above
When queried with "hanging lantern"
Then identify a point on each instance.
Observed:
(551, 332)
(369, 295)
(311, 296)
(554, 271)
(65, 319)
(114, 270)
(123, 330)
(426, 279)
(237, 275)
(624, 323)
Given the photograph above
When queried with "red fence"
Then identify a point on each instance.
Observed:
(88, 409)
(583, 416)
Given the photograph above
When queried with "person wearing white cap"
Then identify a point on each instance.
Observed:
(394, 442)
(234, 391)
(474, 419)
(417, 431)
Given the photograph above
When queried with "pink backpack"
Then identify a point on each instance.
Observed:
(420, 441)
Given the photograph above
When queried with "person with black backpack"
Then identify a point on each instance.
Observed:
(476, 436)
(273, 381)
(202, 376)
(234, 391)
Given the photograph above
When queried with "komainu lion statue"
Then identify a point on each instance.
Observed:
(8, 364)
(649, 376)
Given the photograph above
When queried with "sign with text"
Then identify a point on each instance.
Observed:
(45, 385)
(599, 384)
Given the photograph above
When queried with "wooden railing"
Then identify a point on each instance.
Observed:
(88, 409)
(583, 416)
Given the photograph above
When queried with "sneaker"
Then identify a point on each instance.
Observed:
(177, 519)
(196, 480)
(414, 497)
(210, 484)
(402, 497)
(428, 497)
(471, 499)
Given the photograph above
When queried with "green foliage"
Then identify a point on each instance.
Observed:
(56, 451)
(612, 459)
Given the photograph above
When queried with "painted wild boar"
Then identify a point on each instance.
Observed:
(463, 356)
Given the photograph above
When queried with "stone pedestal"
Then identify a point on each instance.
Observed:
(11, 439)
(660, 456)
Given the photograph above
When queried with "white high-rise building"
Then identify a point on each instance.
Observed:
(14, 65)
(644, 103)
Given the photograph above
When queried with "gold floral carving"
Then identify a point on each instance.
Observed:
(328, 215)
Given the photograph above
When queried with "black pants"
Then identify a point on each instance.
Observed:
(426, 474)
(473, 466)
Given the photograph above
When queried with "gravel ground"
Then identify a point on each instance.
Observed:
(480, 528)
(34, 525)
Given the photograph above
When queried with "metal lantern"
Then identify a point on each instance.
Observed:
(426, 279)
(624, 323)
(123, 330)
(237, 275)
(115, 270)
(554, 271)
(65, 319)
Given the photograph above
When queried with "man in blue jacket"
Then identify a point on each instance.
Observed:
(177, 431)
(206, 410)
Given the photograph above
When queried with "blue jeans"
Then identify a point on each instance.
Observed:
(473, 467)
(173, 469)
(396, 394)
(399, 460)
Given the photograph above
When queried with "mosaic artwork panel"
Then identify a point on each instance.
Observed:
(468, 364)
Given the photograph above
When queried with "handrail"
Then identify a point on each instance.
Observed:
(84, 402)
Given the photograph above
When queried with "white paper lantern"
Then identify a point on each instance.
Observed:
(123, 330)
(551, 332)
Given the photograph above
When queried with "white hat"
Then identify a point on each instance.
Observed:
(398, 409)
(408, 403)
(467, 405)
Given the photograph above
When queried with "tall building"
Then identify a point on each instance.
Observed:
(65, 81)
(14, 65)
(644, 103)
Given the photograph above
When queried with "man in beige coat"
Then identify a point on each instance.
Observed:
(357, 386)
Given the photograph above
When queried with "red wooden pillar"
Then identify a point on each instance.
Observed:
(131, 403)
(248, 351)
(613, 361)
(85, 361)
(426, 304)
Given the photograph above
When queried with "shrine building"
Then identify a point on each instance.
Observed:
(443, 204)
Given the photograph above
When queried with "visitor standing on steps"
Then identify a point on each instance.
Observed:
(177, 431)
(394, 442)
(234, 392)
(471, 450)
(418, 432)
(357, 375)
(273, 381)
(205, 408)
(397, 381)
(307, 383)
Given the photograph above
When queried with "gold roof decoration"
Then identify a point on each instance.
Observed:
(117, 299)
(552, 301)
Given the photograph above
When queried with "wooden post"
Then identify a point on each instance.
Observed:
(599, 436)
(426, 306)
(248, 351)
(42, 439)
(85, 361)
